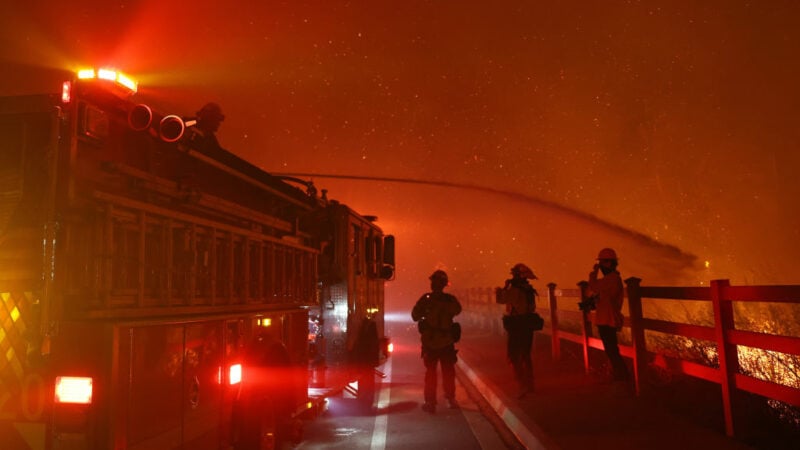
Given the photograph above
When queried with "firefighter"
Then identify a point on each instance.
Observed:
(520, 299)
(434, 313)
(607, 293)
(209, 118)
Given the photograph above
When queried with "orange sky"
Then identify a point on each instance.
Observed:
(669, 127)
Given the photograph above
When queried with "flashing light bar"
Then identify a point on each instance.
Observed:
(127, 82)
(86, 74)
(73, 390)
(109, 75)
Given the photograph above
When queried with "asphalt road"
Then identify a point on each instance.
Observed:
(397, 420)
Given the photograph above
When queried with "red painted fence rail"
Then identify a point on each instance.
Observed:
(723, 334)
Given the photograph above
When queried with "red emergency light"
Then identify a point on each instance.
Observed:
(235, 374)
(66, 92)
(73, 390)
(387, 346)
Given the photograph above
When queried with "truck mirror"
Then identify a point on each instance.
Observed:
(388, 250)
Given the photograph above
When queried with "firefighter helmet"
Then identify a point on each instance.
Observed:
(211, 111)
(607, 253)
(523, 271)
(439, 275)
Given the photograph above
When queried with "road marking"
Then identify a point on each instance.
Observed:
(511, 416)
(381, 418)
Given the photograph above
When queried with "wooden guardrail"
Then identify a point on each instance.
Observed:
(721, 336)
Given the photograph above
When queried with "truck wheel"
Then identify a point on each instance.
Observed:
(366, 388)
(256, 426)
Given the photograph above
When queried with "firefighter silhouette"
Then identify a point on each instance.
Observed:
(209, 119)
(520, 300)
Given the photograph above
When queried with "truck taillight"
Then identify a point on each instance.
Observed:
(66, 92)
(387, 346)
(235, 374)
(73, 390)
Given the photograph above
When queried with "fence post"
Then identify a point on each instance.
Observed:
(555, 341)
(488, 302)
(586, 328)
(726, 352)
(637, 330)
(491, 307)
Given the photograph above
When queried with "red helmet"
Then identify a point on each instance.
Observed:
(607, 253)
(523, 271)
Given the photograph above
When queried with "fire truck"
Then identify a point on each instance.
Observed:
(158, 292)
